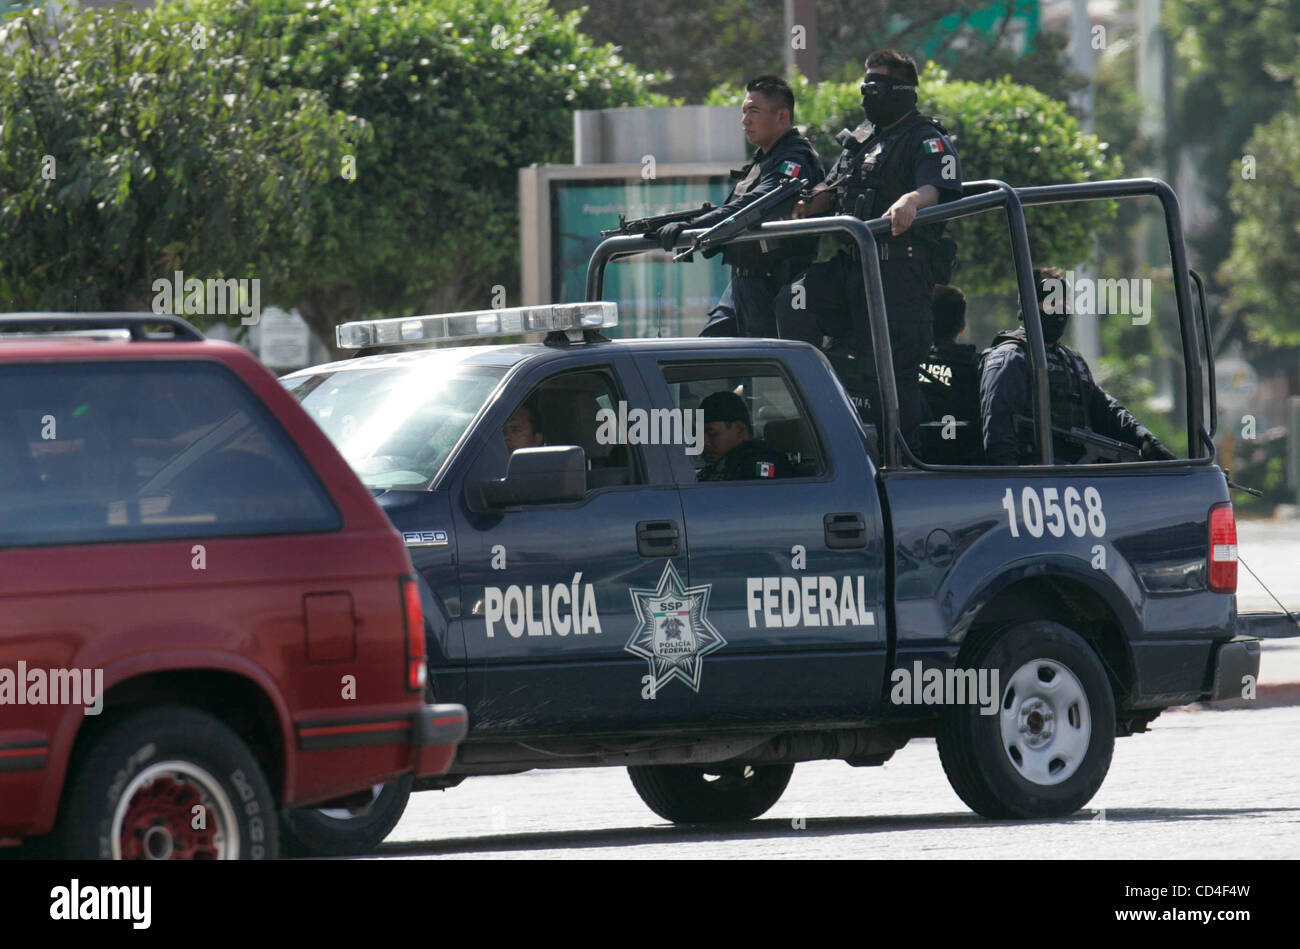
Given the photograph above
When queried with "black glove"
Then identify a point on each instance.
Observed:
(1153, 449)
(669, 233)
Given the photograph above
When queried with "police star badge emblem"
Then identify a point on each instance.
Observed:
(673, 634)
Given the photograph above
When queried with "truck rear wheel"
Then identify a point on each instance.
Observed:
(689, 794)
(1046, 750)
(169, 783)
(346, 831)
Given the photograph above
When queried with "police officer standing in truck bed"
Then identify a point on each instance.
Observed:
(782, 154)
(893, 165)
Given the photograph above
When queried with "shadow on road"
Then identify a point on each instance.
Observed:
(775, 829)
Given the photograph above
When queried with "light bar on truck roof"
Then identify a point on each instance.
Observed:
(477, 324)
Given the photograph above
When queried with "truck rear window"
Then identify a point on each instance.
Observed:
(119, 451)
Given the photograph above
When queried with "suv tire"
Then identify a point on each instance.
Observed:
(148, 780)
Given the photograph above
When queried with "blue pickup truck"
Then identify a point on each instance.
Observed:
(592, 602)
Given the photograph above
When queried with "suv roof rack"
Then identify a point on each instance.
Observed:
(136, 323)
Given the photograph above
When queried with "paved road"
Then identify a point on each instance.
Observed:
(1199, 784)
(1272, 550)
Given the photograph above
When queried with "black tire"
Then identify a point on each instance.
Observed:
(1002, 765)
(314, 833)
(153, 769)
(712, 794)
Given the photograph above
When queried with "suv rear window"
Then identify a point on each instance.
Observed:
(118, 451)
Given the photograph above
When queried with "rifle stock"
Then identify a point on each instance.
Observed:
(1097, 449)
(644, 225)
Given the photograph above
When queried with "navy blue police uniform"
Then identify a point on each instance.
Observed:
(1077, 402)
(748, 460)
(757, 276)
(950, 381)
(874, 170)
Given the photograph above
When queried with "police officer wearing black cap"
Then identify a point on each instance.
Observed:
(757, 276)
(729, 444)
(893, 165)
(1077, 401)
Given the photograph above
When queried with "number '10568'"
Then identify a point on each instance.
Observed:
(1056, 511)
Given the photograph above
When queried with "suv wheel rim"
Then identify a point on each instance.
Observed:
(1045, 722)
(155, 816)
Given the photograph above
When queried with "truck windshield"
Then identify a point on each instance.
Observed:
(395, 425)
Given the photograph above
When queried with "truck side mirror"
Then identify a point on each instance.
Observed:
(539, 475)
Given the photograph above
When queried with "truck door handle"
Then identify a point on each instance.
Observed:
(845, 530)
(658, 539)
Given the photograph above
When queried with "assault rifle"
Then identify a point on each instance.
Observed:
(645, 225)
(751, 215)
(1093, 449)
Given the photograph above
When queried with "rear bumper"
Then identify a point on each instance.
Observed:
(435, 733)
(1268, 625)
(1236, 669)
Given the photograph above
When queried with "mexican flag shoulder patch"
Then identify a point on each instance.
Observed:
(933, 146)
(791, 169)
(765, 469)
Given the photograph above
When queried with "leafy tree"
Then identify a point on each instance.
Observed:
(126, 153)
(460, 94)
(1238, 65)
(1263, 270)
(700, 43)
(1002, 130)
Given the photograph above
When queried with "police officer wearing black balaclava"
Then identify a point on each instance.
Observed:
(1077, 401)
(893, 165)
(758, 274)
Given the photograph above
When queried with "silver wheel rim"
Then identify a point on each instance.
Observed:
(352, 813)
(220, 810)
(1046, 724)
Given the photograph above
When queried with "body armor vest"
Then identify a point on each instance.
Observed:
(1066, 372)
(876, 173)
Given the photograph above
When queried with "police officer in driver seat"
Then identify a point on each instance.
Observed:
(1076, 400)
(729, 444)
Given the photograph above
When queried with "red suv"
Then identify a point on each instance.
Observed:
(204, 615)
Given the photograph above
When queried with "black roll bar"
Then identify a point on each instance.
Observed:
(978, 196)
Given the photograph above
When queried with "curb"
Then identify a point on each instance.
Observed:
(1272, 695)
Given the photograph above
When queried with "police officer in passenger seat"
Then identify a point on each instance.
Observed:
(893, 165)
(1076, 400)
(950, 374)
(729, 444)
(757, 276)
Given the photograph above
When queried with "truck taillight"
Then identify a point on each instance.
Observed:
(1223, 549)
(416, 670)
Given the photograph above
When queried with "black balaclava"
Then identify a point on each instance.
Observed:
(885, 99)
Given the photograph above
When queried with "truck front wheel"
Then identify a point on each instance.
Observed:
(346, 831)
(1045, 750)
(688, 794)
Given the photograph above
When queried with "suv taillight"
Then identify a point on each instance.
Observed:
(1223, 549)
(416, 658)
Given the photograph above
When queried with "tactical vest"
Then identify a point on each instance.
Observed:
(750, 254)
(876, 172)
(1066, 372)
